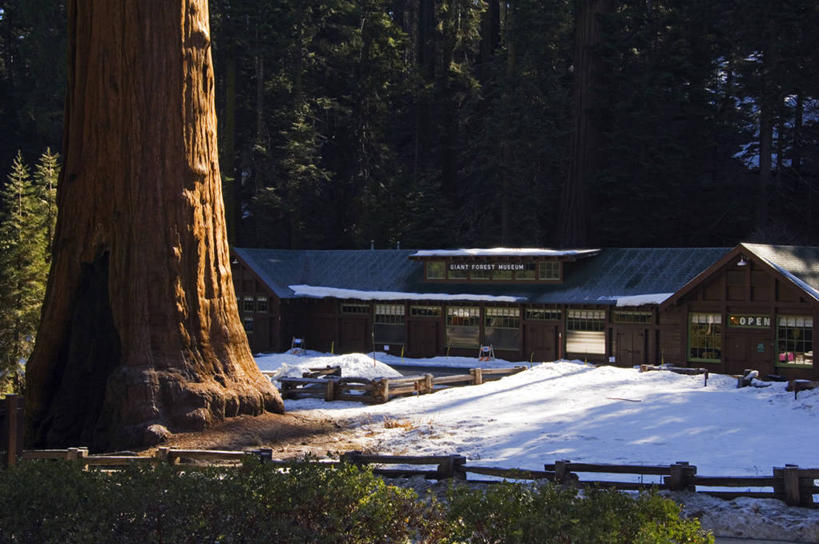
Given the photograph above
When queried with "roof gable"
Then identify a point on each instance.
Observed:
(799, 265)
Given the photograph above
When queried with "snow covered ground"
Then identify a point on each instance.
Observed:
(570, 410)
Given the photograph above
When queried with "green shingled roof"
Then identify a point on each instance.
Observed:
(614, 273)
(798, 263)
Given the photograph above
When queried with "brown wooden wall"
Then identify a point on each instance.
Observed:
(752, 289)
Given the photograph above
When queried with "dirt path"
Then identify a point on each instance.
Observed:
(290, 436)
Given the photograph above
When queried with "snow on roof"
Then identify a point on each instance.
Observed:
(639, 300)
(799, 264)
(505, 252)
(332, 292)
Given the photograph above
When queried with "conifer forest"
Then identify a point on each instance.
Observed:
(442, 123)
(461, 123)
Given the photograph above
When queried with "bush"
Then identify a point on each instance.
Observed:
(512, 513)
(59, 502)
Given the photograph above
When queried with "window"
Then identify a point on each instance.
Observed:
(794, 340)
(457, 272)
(543, 314)
(480, 274)
(261, 304)
(248, 324)
(527, 274)
(502, 327)
(586, 320)
(355, 309)
(388, 324)
(501, 275)
(391, 314)
(705, 337)
(436, 270)
(248, 304)
(548, 270)
(425, 311)
(585, 331)
(463, 326)
(633, 317)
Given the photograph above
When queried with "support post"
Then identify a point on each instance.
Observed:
(563, 473)
(382, 393)
(265, 455)
(682, 477)
(428, 386)
(351, 457)
(330, 391)
(13, 429)
(790, 476)
(452, 467)
(477, 376)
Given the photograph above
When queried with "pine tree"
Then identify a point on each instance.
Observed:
(23, 270)
(45, 192)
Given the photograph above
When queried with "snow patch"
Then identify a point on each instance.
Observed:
(332, 292)
(504, 252)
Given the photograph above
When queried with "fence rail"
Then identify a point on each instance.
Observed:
(791, 484)
(330, 386)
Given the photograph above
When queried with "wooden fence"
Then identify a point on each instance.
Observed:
(332, 387)
(11, 429)
(791, 484)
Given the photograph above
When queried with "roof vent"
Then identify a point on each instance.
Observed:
(372, 244)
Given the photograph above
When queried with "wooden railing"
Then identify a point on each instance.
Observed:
(380, 390)
(791, 484)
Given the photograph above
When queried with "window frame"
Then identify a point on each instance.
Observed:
(808, 324)
(717, 335)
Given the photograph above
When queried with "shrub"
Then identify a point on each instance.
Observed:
(511, 513)
(59, 502)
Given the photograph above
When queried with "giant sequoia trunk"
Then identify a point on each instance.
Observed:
(140, 328)
(586, 137)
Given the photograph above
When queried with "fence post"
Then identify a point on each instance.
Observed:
(265, 455)
(563, 474)
(428, 386)
(330, 391)
(13, 429)
(382, 390)
(351, 457)
(452, 467)
(682, 477)
(477, 376)
(790, 476)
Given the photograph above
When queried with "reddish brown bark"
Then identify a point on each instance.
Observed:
(140, 327)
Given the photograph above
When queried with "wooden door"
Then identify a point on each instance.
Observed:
(630, 347)
(424, 338)
(355, 335)
(745, 349)
(540, 341)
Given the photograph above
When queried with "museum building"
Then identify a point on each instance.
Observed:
(753, 306)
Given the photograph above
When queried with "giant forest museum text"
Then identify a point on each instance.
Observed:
(723, 309)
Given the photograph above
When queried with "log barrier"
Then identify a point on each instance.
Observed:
(791, 484)
(330, 386)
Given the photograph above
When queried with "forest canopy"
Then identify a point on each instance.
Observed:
(439, 123)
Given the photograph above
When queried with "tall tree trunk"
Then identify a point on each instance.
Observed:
(228, 149)
(140, 330)
(798, 122)
(586, 137)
